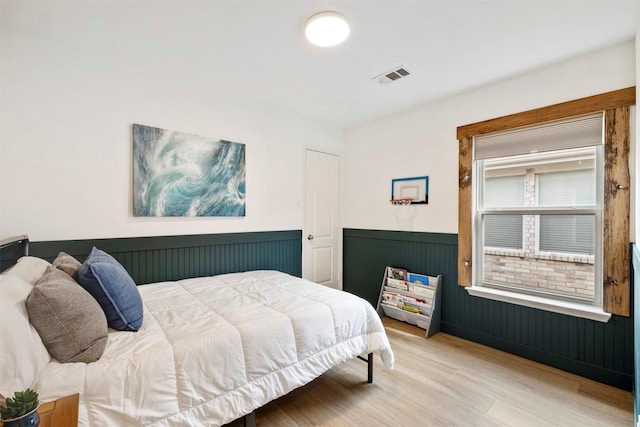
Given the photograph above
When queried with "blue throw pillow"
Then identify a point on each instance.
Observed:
(116, 292)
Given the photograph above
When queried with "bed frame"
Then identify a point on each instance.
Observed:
(13, 248)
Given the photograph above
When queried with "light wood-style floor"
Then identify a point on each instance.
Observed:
(447, 381)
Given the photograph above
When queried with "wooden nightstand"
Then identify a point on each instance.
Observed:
(59, 413)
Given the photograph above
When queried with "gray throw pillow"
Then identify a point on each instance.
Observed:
(68, 264)
(70, 321)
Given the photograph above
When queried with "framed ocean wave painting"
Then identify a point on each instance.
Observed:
(179, 174)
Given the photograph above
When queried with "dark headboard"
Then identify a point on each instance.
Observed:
(162, 258)
(11, 249)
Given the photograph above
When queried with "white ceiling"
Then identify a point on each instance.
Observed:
(255, 50)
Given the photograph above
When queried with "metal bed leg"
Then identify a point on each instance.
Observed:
(369, 361)
(250, 420)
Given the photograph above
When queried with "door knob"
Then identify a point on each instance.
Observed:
(310, 237)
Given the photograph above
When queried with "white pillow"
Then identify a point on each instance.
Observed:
(23, 355)
(29, 268)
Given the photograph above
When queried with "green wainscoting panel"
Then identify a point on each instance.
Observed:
(367, 252)
(595, 350)
(162, 258)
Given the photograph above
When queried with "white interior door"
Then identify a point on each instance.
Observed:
(322, 218)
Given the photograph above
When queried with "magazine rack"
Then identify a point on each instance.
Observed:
(412, 298)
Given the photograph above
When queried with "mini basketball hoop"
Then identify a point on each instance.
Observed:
(404, 212)
(401, 202)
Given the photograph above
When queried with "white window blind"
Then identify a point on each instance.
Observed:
(567, 233)
(567, 188)
(503, 231)
(577, 132)
(504, 191)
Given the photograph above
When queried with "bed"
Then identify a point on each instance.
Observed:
(205, 351)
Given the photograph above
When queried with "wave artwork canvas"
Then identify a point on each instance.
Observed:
(179, 174)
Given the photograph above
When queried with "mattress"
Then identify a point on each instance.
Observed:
(213, 349)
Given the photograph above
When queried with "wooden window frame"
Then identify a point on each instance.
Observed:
(616, 245)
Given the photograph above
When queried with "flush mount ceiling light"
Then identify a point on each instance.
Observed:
(326, 29)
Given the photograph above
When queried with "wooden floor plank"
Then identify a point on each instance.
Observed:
(445, 380)
(512, 415)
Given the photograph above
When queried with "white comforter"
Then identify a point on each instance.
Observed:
(213, 349)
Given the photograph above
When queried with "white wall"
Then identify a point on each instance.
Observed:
(423, 141)
(65, 143)
(66, 164)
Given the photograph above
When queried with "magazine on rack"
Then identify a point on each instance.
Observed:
(396, 273)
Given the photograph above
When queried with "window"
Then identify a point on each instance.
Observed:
(574, 205)
(539, 220)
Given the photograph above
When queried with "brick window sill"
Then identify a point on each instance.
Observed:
(557, 306)
(549, 256)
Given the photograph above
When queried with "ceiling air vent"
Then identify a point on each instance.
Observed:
(392, 75)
